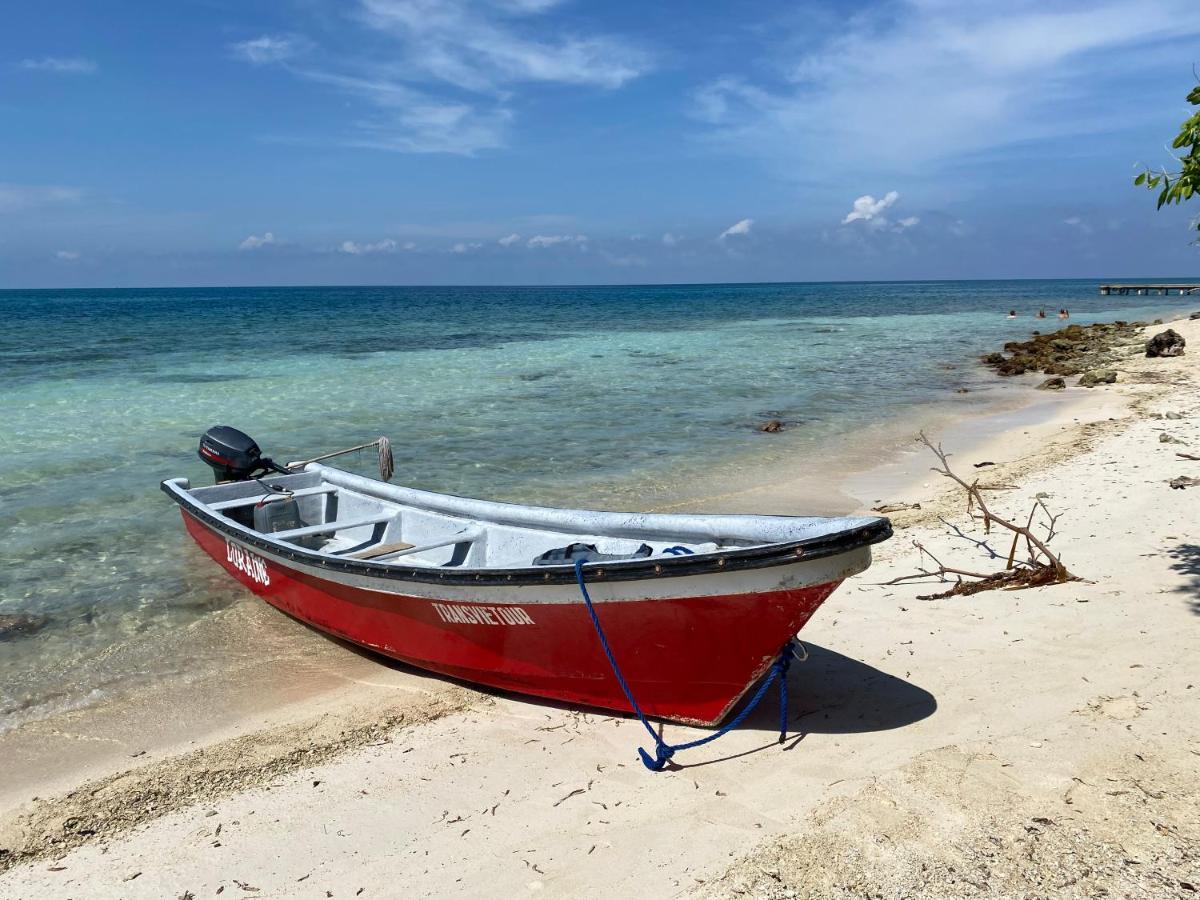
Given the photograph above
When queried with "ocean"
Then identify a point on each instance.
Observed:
(604, 396)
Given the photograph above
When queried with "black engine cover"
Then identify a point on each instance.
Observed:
(231, 454)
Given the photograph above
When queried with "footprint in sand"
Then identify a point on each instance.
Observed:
(1120, 708)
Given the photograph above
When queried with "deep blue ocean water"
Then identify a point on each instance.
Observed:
(558, 395)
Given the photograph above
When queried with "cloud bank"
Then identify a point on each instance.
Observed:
(897, 87)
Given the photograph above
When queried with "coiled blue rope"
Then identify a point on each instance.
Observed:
(662, 750)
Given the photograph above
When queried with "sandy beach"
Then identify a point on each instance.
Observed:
(1006, 744)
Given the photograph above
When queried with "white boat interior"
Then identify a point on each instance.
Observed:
(328, 511)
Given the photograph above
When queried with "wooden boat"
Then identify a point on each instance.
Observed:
(695, 607)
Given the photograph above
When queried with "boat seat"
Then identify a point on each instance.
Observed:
(380, 550)
(462, 539)
(222, 505)
(339, 525)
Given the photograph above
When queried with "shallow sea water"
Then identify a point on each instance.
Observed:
(601, 396)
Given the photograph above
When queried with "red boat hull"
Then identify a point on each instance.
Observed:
(687, 658)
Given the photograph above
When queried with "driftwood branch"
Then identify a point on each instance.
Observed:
(1041, 565)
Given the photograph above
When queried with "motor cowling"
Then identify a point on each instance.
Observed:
(233, 455)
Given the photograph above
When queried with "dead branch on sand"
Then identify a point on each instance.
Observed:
(1039, 565)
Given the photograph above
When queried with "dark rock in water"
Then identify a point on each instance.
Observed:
(1166, 343)
(1195, 315)
(1100, 376)
(962, 390)
(1156, 322)
(772, 426)
(21, 623)
(1053, 384)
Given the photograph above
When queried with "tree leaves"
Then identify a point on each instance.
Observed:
(1178, 187)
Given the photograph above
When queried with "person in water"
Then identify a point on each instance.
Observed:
(1012, 313)
(1062, 313)
(1041, 313)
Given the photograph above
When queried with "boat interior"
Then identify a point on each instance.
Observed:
(329, 511)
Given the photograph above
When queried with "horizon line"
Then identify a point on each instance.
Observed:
(613, 284)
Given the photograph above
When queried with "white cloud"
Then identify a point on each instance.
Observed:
(509, 239)
(867, 208)
(480, 47)
(413, 121)
(904, 86)
(443, 79)
(669, 239)
(17, 197)
(1079, 223)
(738, 228)
(67, 255)
(61, 65)
(254, 242)
(909, 222)
(269, 48)
(387, 245)
(550, 240)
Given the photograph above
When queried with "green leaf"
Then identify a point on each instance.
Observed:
(1141, 179)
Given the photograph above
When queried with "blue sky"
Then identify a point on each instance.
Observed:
(543, 141)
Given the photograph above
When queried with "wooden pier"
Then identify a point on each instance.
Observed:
(1123, 289)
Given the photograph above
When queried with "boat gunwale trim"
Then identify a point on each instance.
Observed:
(760, 557)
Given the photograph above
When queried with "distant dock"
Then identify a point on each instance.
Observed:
(1122, 289)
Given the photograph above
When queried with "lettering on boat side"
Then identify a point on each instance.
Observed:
(483, 615)
(253, 565)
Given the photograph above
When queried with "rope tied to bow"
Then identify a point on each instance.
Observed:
(663, 751)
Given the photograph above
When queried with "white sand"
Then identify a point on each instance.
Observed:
(1006, 744)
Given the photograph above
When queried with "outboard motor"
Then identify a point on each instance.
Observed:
(233, 455)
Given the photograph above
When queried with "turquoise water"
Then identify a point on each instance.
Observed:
(554, 395)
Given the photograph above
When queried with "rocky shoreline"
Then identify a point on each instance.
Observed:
(1089, 351)
(1073, 350)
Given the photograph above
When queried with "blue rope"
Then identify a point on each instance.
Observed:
(662, 750)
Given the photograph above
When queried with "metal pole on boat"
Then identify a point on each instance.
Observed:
(387, 465)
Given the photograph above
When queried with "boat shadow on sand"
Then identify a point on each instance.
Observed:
(831, 694)
(828, 693)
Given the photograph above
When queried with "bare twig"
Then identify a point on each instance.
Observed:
(975, 499)
(1043, 566)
